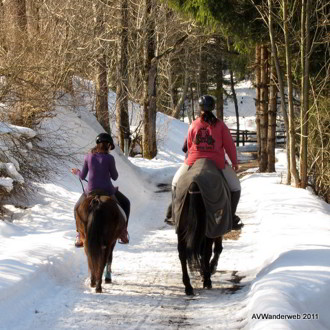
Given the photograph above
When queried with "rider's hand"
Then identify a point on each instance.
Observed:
(74, 171)
(235, 168)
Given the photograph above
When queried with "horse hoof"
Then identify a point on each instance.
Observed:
(189, 291)
(207, 285)
(107, 276)
(93, 284)
(213, 267)
(98, 290)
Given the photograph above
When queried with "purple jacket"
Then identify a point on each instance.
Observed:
(101, 168)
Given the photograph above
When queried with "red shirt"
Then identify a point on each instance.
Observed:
(206, 141)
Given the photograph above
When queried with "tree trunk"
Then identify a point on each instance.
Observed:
(202, 71)
(219, 89)
(305, 49)
(192, 102)
(15, 14)
(101, 76)
(293, 165)
(149, 144)
(2, 26)
(271, 136)
(257, 84)
(33, 27)
(15, 38)
(263, 109)
(122, 118)
(172, 91)
(281, 87)
(177, 108)
(233, 92)
(101, 99)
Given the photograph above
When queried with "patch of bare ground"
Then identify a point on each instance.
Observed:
(232, 235)
(243, 167)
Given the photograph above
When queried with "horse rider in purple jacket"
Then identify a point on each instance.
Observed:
(100, 166)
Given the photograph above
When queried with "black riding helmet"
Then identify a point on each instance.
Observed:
(206, 102)
(105, 137)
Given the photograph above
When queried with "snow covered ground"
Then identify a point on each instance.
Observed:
(276, 275)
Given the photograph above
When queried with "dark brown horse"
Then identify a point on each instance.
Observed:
(193, 245)
(100, 223)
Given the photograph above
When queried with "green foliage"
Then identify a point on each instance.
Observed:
(237, 18)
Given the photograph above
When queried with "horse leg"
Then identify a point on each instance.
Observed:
(107, 272)
(99, 271)
(206, 263)
(216, 253)
(183, 259)
(91, 269)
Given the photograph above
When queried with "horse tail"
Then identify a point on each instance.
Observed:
(196, 227)
(95, 230)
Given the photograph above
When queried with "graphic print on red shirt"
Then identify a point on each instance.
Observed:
(204, 140)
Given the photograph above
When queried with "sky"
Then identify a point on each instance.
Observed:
(273, 274)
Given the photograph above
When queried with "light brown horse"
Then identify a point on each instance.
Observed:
(100, 223)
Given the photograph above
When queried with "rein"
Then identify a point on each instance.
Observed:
(83, 185)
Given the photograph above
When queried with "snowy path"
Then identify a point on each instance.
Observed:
(146, 293)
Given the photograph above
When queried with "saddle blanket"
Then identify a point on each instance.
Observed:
(215, 193)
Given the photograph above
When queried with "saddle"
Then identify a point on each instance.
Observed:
(215, 193)
(104, 195)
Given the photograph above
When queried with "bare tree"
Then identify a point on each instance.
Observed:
(177, 107)
(149, 83)
(219, 88)
(257, 83)
(202, 69)
(101, 68)
(280, 80)
(288, 60)
(122, 118)
(272, 110)
(263, 108)
(305, 59)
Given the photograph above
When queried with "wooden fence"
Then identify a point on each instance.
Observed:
(245, 136)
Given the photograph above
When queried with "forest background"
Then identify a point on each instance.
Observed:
(163, 55)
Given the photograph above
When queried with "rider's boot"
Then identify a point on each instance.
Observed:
(237, 223)
(169, 219)
(124, 237)
(79, 242)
